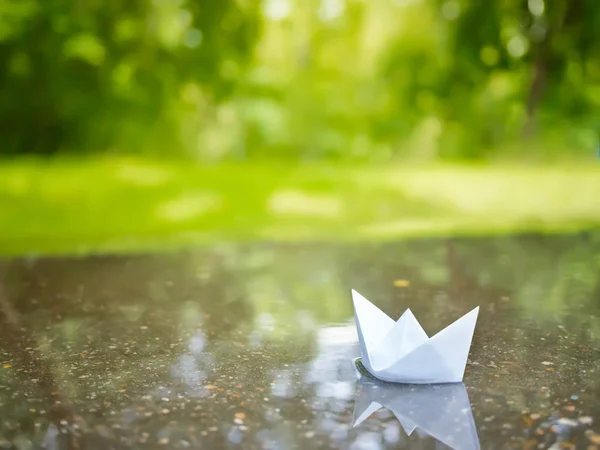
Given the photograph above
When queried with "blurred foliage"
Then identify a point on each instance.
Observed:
(89, 76)
(318, 79)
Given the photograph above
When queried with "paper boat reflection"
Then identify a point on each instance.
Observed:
(442, 411)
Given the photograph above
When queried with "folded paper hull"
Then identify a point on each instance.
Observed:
(395, 378)
(401, 352)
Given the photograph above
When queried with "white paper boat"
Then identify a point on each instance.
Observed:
(442, 411)
(401, 352)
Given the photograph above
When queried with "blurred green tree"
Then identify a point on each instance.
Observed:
(492, 71)
(97, 75)
(348, 79)
(327, 79)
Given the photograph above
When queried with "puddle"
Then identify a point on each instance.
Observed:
(252, 346)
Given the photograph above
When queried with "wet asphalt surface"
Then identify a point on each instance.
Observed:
(252, 346)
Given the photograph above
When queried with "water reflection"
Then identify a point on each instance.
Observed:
(442, 411)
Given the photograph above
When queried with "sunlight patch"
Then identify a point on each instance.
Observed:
(411, 227)
(298, 203)
(16, 184)
(142, 175)
(188, 206)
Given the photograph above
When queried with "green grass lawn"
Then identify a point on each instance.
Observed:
(128, 205)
